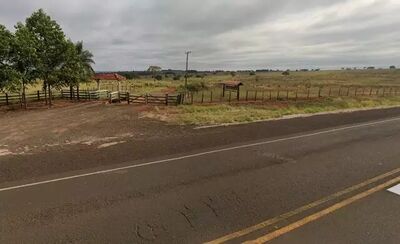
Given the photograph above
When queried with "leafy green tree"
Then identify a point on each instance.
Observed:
(154, 70)
(77, 67)
(51, 47)
(7, 73)
(85, 63)
(24, 58)
(70, 73)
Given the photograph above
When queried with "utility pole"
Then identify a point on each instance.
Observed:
(187, 66)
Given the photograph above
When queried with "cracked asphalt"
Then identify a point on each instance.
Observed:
(198, 198)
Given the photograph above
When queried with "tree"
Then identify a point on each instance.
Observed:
(77, 67)
(85, 63)
(392, 67)
(7, 72)
(51, 47)
(153, 70)
(24, 59)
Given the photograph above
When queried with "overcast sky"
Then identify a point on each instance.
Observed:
(225, 34)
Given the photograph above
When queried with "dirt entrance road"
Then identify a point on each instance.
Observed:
(91, 124)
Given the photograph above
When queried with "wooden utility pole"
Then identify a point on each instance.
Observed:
(187, 66)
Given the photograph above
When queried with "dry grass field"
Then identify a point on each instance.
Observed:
(220, 113)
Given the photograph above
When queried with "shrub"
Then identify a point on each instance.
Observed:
(177, 77)
(158, 77)
(195, 86)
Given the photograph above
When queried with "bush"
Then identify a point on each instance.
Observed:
(286, 73)
(177, 77)
(252, 73)
(195, 86)
(158, 77)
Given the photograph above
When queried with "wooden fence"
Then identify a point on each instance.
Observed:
(9, 99)
(209, 96)
(152, 99)
(279, 94)
(85, 94)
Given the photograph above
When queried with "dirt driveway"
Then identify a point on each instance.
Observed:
(91, 124)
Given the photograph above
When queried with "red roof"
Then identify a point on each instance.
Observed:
(113, 76)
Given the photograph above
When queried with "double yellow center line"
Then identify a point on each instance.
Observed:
(314, 216)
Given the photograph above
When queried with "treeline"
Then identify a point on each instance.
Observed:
(38, 50)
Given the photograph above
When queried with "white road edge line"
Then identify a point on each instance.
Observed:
(197, 155)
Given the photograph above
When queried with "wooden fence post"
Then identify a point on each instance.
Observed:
(166, 99)
(202, 97)
(296, 95)
(211, 96)
(7, 99)
(308, 93)
(319, 92)
(370, 91)
(247, 95)
(330, 92)
(191, 97)
(230, 96)
(270, 95)
(146, 98)
(38, 95)
(287, 94)
(348, 91)
(277, 94)
(128, 97)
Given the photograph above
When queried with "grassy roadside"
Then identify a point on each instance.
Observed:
(215, 114)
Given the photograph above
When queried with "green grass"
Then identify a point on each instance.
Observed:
(239, 113)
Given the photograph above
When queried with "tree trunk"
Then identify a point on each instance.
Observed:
(71, 90)
(45, 93)
(24, 95)
(50, 103)
(77, 91)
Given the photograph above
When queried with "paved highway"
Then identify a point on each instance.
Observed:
(322, 185)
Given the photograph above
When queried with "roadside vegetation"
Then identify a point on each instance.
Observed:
(216, 114)
(38, 53)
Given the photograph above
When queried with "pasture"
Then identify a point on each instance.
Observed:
(278, 95)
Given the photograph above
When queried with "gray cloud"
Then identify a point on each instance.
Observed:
(225, 34)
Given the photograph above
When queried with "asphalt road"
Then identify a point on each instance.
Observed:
(220, 190)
